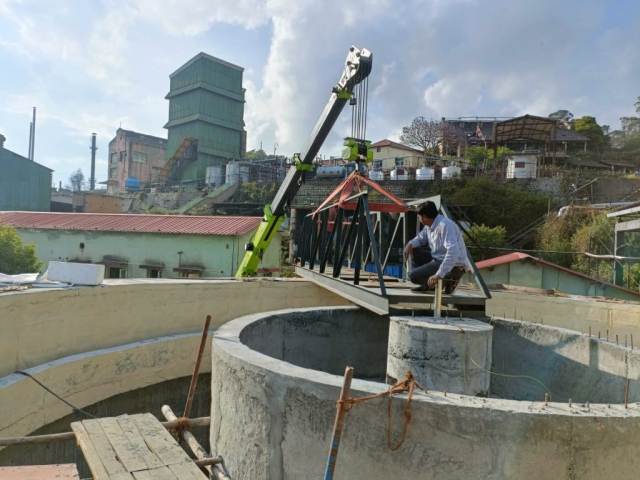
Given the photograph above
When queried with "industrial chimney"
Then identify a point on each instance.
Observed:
(92, 180)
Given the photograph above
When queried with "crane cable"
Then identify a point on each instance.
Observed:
(359, 112)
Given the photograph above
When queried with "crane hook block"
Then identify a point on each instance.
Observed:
(357, 150)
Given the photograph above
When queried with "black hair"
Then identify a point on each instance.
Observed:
(428, 209)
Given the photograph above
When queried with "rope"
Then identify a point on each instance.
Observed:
(184, 424)
(404, 386)
(511, 376)
(74, 408)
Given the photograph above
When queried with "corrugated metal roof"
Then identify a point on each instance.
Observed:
(103, 222)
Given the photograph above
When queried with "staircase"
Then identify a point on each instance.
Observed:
(186, 152)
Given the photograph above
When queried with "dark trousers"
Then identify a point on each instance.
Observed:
(424, 266)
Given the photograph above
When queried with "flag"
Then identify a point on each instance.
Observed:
(479, 133)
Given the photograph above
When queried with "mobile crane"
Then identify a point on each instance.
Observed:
(352, 85)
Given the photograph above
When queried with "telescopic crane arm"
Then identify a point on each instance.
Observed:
(357, 68)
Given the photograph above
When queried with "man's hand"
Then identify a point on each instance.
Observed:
(433, 281)
(408, 250)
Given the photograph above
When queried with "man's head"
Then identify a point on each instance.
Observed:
(427, 213)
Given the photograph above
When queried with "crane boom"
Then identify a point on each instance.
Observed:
(356, 68)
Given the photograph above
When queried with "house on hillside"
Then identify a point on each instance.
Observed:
(24, 184)
(478, 131)
(388, 155)
(523, 270)
(145, 246)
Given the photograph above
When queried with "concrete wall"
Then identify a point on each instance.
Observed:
(90, 344)
(220, 255)
(576, 314)
(570, 365)
(272, 420)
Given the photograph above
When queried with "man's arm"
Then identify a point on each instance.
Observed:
(420, 240)
(451, 245)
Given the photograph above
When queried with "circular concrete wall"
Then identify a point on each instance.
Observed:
(272, 418)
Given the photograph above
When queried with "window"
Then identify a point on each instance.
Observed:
(186, 274)
(378, 149)
(114, 157)
(154, 273)
(113, 172)
(116, 272)
(400, 162)
(139, 157)
(377, 164)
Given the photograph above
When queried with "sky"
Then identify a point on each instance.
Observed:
(95, 65)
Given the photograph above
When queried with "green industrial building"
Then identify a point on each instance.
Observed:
(206, 126)
(145, 246)
(24, 184)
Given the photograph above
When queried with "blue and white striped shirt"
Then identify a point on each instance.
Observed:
(446, 244)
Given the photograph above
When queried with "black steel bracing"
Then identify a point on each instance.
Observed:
(317, 244)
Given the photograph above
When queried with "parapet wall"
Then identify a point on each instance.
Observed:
(91, 344)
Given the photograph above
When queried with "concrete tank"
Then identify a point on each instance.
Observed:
(214, 176)
(245, 173)
(522, 166)
(376, 175)
(425, 173)
(233, 173)
(399, 174)
(327, 171)
(450, 172)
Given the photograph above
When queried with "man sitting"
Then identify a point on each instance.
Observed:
(438, 251)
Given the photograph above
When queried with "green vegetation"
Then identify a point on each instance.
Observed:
(15, 256)
(254, 192)
(488, 239)
(476, 156)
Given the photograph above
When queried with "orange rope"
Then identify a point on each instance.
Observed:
(404, 386)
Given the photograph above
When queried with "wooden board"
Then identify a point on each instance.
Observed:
(133, 447)
(125, 450)
(159, 440)
(136, 439)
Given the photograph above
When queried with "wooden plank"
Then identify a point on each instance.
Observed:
(159, 439)
(142, 475)
(122, 476)
(135, 438)
(126, 452)
(103, 447)
(90, 454)
(163, 473)
(65, 471)
(187, 471)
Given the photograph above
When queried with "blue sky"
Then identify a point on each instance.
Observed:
(93, 65)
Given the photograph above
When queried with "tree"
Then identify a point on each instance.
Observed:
(76, 181)
(561, 115)
(422, 134)
(637, 105)
(588, 126)
(15, 256)
(488, 239)
(477, 155)
(255, 154)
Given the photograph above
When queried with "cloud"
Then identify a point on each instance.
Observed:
(87, 69)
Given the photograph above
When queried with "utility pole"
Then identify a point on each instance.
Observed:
(33, 135)
(92, 180)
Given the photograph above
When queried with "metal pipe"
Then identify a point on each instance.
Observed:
(337, 427)
(30, 137)
(437, 308)
(196, 369)
(196, 448)
(61, 437)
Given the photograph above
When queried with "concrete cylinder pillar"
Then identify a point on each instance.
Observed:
(452, 355)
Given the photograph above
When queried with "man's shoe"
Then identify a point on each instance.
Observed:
(419, 289)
